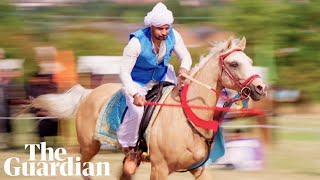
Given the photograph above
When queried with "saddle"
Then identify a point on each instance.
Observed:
(153, 95)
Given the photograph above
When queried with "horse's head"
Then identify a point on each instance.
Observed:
(237, 71)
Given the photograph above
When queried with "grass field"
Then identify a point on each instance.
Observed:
(292, 155)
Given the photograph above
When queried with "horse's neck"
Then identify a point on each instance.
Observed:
(198, 95)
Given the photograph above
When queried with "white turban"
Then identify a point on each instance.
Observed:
(159, 16)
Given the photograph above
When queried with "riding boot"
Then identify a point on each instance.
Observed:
(131, 161)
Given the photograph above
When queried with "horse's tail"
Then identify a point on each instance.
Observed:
(61, 105)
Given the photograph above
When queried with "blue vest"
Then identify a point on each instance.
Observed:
(147, 67)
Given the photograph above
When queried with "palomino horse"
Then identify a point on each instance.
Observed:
(173, 145)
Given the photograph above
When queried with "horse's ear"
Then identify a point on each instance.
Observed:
(242, 44)
(229, 44)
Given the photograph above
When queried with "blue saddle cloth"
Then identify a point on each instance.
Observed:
(110, 118)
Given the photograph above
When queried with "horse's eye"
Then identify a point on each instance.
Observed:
(234, 64)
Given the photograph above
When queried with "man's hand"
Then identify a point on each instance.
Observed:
(138, 100)
(181, 79)
(182, 71)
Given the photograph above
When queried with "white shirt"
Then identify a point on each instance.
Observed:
(132, 51)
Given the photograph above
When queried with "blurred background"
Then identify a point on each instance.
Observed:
(47, 46)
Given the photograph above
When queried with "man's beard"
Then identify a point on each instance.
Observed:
(161, 38)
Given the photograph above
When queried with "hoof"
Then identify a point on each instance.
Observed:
(86, 178)
(131, 162)
(129, 167)
(125, 177)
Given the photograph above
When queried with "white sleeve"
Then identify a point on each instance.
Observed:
(182, 52)
(130, 55)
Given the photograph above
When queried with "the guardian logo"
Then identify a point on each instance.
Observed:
(52, 163)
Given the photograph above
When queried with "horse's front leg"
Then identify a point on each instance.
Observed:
(125, 176)
(88, 151)
(200, 173)
(159, 171)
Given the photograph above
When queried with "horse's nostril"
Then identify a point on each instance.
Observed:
(260, 88)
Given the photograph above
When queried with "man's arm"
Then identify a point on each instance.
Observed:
(130, 55)
(182, 53)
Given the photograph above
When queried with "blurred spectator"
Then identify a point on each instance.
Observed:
(9, 69)
(4, 106)
(43, 84)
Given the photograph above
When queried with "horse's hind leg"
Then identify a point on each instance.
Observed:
(87, 153)
(200, 173)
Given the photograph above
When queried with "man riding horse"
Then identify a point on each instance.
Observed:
(146, 64)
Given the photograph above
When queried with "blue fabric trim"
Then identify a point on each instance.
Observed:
(245, 103)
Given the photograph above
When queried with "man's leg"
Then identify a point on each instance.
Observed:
(128, 131)
(128, 135)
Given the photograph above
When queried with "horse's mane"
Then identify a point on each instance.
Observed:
(216, 47)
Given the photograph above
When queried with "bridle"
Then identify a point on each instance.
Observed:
(245, 89)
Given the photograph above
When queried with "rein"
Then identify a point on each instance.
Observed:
(206, 124)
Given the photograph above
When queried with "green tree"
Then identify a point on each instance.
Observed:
(282, 35)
